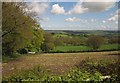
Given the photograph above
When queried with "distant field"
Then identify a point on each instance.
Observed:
(84, 48)
(72, 48)
(60, 35)
(110, 47)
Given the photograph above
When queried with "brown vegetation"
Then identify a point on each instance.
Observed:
(56, 63)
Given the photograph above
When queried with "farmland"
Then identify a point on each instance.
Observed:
(56, 63)
(76, 41)
(72, 48)
(84, 48)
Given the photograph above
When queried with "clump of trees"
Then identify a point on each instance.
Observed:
(114, 40)
(58, 42)
(19, 30)
(75, 41)
(95, 41)
(48, 43)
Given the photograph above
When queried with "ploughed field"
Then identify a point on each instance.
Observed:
(57, 63)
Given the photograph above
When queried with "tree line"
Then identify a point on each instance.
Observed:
(93, 41)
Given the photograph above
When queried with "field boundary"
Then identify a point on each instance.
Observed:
(80, 51)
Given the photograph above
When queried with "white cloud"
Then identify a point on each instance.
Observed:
(116, 22)
(116, 16)
(46, 19)
(98, 5)
(73, 19)
(99, 0)
(56, 9)
(77, 9)
(91, 6)
(85, 6)
(104, 21)
(32, 7)
(113, 18)
(103, 27)
(93, 20)
(37, 7)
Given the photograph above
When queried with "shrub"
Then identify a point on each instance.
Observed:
(47, 46)
(23, 51)
(48, 43)
(114, 40)
(95, 41)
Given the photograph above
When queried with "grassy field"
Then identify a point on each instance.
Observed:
(72, 48)
(109, 47)
(85, 48)
(60, 35)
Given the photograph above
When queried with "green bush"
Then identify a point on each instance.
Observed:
(95, 42)
(23, 51)
(47, 47)
(104, 67)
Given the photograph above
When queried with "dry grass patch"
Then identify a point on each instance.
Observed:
(55, 62)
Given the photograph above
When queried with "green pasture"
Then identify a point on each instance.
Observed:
(72, 48)
(85, 48)
(109, 47)
(61, 35)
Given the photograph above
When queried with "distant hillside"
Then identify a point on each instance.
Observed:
(93, 32)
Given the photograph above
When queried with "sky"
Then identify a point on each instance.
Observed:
(77, 15)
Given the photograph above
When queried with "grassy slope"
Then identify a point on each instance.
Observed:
(57, 62)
